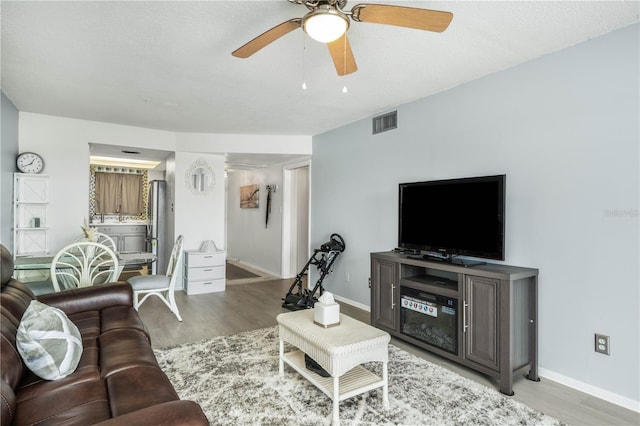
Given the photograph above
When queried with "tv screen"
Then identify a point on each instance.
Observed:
(454, 217)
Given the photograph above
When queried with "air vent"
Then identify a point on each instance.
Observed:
(385, 122)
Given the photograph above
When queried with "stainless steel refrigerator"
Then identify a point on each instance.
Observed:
(157, 240)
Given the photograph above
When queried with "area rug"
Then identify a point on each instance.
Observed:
(235, 380)
(235, 272)
(238, 273)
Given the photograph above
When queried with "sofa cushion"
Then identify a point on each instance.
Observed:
(11, 365)
(93, 298)
(138, 387)
(7, 403)
(183, 413)
(119, 317)
(33, 387)
(80, 403)
(88, 323)
(15, 298)
(48, 342)
(87, 369)
(123, 349)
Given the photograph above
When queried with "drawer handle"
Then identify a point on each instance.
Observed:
(207, 270)
(207, 257)
(208, 283)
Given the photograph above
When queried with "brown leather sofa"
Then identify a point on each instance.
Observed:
(117, 382)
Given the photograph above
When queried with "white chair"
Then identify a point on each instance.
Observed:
(83, 264)
(162, 286)
(103, 239)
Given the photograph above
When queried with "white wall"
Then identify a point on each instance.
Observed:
(300, 217)
(249, 240)
(264, 144)
(199, 216)
(8, 153)
(565, 130)
(64, 144)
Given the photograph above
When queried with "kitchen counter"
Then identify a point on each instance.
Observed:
(116, 223)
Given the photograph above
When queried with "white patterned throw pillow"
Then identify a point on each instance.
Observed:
(48, 342)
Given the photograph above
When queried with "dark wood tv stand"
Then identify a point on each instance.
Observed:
(497, 324)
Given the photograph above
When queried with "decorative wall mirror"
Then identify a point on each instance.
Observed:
(200, 178)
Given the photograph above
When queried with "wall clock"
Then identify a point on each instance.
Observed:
(29, 162)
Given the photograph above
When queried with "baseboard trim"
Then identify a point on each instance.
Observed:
(595, 391)
(255, 269)
(352, 303)
(603, 394)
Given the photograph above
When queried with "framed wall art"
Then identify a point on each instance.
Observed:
(249, 196)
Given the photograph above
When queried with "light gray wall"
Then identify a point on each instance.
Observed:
(565, 130)
(8, 153)
(248, 239)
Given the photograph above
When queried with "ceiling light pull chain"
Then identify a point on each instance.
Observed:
(304, 55)
(344, 62)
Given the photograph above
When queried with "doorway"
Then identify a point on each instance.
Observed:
(296, 210)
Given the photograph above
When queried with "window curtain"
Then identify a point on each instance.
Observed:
(118, 193)
(131, 194)
(107, 192)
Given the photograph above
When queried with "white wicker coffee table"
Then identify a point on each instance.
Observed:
(340, 350)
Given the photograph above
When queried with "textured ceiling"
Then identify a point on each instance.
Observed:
(168, 65)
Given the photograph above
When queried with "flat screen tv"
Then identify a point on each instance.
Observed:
(453, 217)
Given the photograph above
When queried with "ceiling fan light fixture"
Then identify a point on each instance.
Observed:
(325, 24)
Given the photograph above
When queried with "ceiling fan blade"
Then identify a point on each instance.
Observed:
(266, 38)
(342, 56)
(410, 17)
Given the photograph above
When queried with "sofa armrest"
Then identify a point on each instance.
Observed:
(186, 413)
(90, 298)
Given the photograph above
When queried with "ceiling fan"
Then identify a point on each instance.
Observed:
(328, 22)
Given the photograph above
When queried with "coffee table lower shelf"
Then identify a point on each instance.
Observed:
(354, 382)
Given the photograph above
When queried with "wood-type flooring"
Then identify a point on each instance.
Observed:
(255, 305)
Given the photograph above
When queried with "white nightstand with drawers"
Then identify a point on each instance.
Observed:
(204, 272)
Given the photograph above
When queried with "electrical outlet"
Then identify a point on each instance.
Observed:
(602, 344)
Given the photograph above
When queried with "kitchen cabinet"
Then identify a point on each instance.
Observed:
(128, 237)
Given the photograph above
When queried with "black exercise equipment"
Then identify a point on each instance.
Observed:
(298, 298)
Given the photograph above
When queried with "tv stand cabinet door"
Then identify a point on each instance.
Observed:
(482, 321)
(384, 294)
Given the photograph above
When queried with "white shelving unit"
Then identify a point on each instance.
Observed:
(30, 214)
(204, 272)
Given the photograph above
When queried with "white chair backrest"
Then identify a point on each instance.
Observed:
(83, 264)
(103, 239)
(175, 260)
